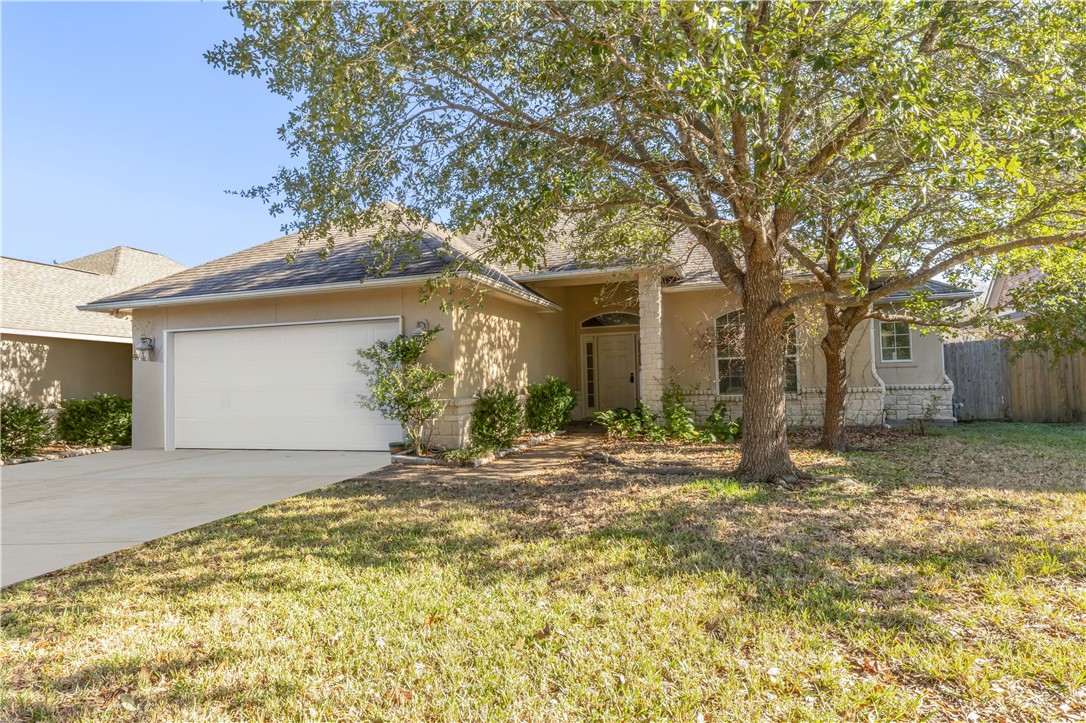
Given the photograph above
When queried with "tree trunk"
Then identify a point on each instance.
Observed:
(833, 421)
(764, 444)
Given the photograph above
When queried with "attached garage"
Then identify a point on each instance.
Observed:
(281, 386)
(254, 350)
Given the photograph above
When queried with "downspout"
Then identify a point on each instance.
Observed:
(948, 381)
(875, 371)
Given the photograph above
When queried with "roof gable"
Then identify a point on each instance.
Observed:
(43, 298)
(265, 269)
(135, 266)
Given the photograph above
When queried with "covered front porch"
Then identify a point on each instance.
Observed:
(612, 338)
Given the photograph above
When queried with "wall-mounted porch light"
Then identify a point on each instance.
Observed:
(145, 350)
(421, 327)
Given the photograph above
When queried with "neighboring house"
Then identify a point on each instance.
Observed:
(50, 349)
(256, 353)
(998, 294)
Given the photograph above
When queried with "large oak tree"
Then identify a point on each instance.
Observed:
(763, 131)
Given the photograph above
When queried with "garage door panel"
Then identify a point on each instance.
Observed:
(282, 387)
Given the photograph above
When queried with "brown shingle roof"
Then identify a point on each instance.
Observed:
(264, 268)
(43, 297)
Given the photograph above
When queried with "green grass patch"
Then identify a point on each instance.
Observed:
(729, 488)
(934, 578)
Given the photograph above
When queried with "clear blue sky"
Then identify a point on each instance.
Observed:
(116, 131)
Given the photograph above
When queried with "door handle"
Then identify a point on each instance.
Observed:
(631, 377)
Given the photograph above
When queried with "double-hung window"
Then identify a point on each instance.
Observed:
(896, 341)
(729, 355)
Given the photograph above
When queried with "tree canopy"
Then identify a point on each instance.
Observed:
(871, 145)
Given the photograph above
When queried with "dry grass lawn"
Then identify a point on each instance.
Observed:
(939, 577)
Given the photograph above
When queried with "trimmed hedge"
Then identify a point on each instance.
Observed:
(105, 419)
(24, 429)
(497, 419)
(550, 405)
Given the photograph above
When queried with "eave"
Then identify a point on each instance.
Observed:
(525, 297)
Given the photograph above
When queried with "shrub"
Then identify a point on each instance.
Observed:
(24, 429)
(497, 418)
(718, 428)
(105, 419)
(625, 423)
(469, 453)
(678, 418)
(550, 405)
(402, 388)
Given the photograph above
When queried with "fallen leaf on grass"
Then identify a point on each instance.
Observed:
(128, 702)
(399, 695)
(544, 633)
(433, 620)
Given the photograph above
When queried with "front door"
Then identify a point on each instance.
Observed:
(617, 370)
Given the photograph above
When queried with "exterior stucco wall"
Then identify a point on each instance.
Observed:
(579, 303)
(45, 370)
(919, 388)
(499, 344)
(689, 321)
(148, 405)
(504, 344)
(513, 345)
(926, 366)
(148, 379)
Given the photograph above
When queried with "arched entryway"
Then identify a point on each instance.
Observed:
(610, 361)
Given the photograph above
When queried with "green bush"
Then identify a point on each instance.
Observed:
(678, 422)
(497, 419)
(105, 419)
(678, 418)
(718, 428)
(24, 429)
(402, 388)
(625, 423)
(550, 405)
(468, 454)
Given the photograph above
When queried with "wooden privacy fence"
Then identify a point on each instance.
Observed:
(989, 383)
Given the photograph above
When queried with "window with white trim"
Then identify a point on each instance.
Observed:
(611, 318)
(729, 355)
(896, 341)
(590, 375)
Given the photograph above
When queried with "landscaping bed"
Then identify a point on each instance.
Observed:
(61, 452)
(938, 577)
(522, 443)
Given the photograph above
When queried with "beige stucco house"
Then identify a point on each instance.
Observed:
(53, 351)
(254, 352)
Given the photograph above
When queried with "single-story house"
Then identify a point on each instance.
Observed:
(256, 353)
(53, 351)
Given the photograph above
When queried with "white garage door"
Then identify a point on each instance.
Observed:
(277, 387)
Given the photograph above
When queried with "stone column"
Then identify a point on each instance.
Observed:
(650, 300)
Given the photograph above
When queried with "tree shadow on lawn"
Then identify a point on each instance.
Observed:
(857, 558)
(486, 524)
(98, 686)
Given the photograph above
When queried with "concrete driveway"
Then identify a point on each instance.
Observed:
(61, 512)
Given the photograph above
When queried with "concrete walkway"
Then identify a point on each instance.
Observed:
(61, 512)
